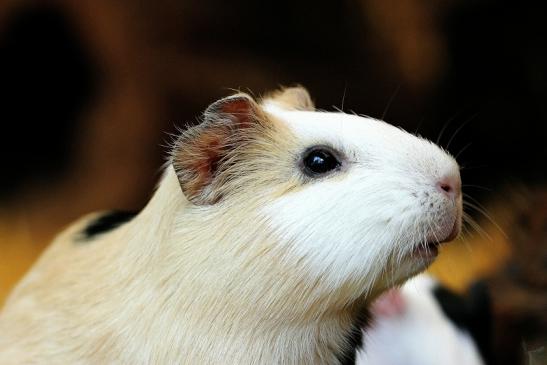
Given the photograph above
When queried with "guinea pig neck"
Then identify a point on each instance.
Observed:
(220, 285)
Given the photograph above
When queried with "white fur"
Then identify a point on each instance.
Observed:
(364, 224)
(274, 272)
(421, 335)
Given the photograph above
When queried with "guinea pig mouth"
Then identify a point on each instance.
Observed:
(430, 249)
(427, 250)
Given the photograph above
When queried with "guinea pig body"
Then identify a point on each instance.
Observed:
(415, 325)
(271, 230)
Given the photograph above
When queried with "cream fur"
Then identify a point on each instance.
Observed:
(263, 266)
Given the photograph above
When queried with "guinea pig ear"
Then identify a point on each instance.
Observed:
(293, 98)
(200, 150)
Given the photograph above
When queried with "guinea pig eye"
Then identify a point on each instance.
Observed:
(319, 161)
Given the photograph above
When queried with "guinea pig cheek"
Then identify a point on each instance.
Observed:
(442, 223)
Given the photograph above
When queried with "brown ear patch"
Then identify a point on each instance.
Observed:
(293, 98)
(199, 151)
(239, 108)
(197, 161)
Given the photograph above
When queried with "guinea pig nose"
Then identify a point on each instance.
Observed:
(450, 186)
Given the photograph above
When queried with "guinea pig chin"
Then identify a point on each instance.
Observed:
(442, 223)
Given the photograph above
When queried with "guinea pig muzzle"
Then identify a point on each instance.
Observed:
(431, 248)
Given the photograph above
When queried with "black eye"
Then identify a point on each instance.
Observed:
(319, 161)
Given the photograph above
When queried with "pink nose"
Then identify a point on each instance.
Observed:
(450, 186)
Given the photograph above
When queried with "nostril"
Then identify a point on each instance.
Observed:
(447, 188)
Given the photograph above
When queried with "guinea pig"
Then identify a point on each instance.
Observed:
(273, 227)
(425, 323)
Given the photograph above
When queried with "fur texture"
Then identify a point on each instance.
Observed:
(418, 332)
(239, 257)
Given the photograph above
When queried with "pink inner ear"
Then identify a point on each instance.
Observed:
(200, 160)
(240, 110)
(389, 304)
(197, 161)
(208, 152)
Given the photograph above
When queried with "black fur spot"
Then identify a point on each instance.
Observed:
(105, 223)
(453, 306)
(355, 339)
(471, 313)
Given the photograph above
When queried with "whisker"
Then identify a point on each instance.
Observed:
(460, 128)
(470, 222)
(344, 95)
(473, 199)
(462, 150)
(390, 101)
(466, 233)
(446, 124)
(474, 202)
(433, 232)
(466, 220)
(419, 125)
(468, 246)
(476, 226)
(476, 186)
(472, 167)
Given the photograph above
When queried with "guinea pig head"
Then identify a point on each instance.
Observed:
(352, 201)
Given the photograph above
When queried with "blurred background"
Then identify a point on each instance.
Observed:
(91, 90)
